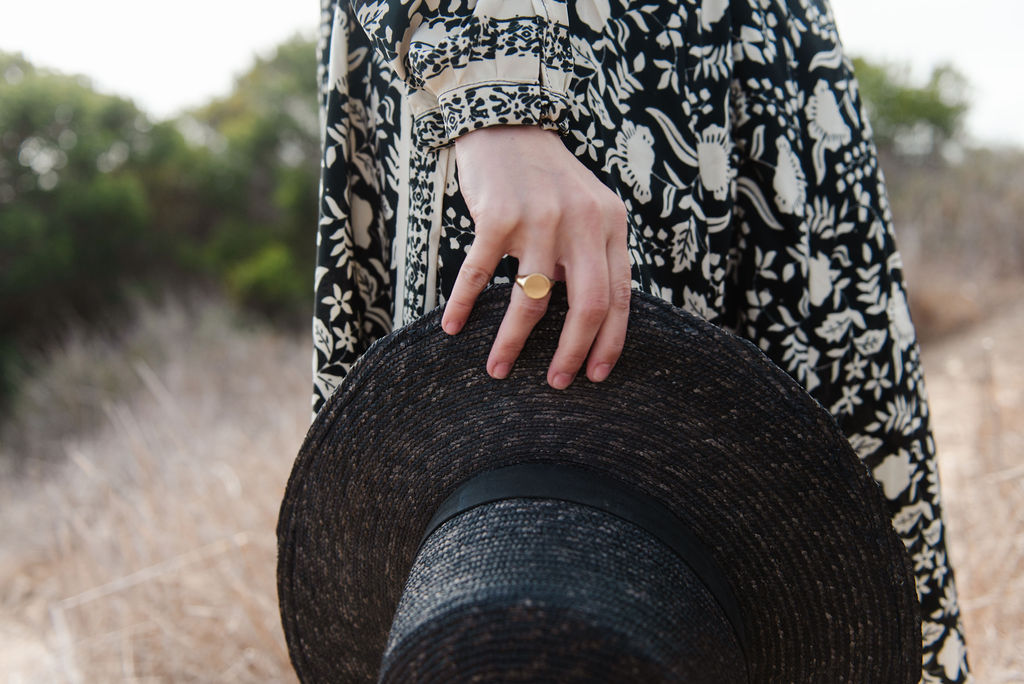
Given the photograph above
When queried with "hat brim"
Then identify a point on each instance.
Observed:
(691, 415)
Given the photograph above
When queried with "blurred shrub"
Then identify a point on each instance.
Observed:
(909, 119)
(74, 210)
(95, 196)
(270, 278)
(265, 136)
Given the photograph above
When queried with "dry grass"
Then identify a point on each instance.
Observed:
(964, 218)
(145, 550)
(961, 233)
(976, 382)
(962, 238)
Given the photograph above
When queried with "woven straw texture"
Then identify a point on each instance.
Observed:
(547, 591)
(691, 416)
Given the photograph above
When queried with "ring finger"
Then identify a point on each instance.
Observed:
(522, 315)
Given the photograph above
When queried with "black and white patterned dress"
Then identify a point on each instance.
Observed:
(732, 130)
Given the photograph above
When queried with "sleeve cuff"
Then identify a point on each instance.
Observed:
(488, 71)
(480, 105)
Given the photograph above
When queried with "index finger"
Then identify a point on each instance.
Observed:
(474, 276)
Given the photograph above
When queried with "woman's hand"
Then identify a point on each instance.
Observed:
(532, 199)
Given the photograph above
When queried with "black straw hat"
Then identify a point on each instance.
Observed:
(696, 517)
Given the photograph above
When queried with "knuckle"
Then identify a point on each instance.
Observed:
(546, 213)
(496, 220)
(571, 360)
(620, 294)
(614, 206)
(505, 350)
(593, 310)
(533, 309)
(474, 276)
(589, 213)
(616, 213)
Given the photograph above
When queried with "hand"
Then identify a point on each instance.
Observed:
(529, 197)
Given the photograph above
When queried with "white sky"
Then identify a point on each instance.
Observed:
(981, 38)
(172, 55)
(167, 55)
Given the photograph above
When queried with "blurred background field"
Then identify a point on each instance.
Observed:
(154, 298)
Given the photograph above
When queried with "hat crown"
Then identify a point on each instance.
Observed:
(545, 590)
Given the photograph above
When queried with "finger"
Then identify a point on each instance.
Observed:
(611, 337)
(587, 283)
(474, 275)
(522, 315)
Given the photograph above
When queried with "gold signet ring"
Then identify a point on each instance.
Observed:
(535, 285)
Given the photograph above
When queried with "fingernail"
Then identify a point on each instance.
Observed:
(450, 327)
(501, 370)
(600, 372)
(561, 381)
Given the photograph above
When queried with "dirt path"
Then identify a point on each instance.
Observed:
(976, 385)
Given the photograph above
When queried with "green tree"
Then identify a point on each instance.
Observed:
(909, 119)
(266, 134)
(73, 210)
(94, 195)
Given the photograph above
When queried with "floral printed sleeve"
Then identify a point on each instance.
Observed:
(475, 63)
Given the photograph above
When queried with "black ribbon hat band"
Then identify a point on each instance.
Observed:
(588, 488)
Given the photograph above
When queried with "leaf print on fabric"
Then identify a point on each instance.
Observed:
(900, 326)
(900, 415)
(684, 245)
(713, 149)
(683, 151)
(671, 35)
(634, 155)
(789, 182)
(952, 657)
(801, 359)
(755, 195)
(757, 42)
(593, 13)
(371, 15)
(933, 533)
(325, 383)
(909, 516)
(894, 474)
(322, 339)
(825, 125)
(837, 325)
(362, 218)
(711, 12)
(623, 83)
(864, 445)
(697, 304)
(820, 276)
(931, 632)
